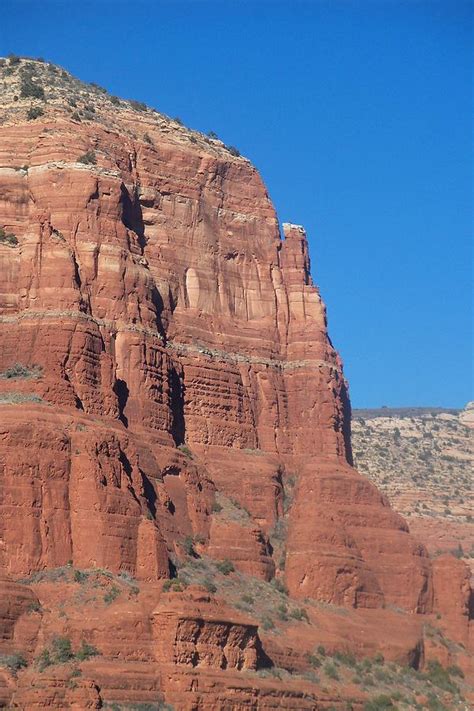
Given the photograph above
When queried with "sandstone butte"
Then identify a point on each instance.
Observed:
(172, 409)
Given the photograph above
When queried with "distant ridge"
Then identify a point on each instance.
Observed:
(402, 411)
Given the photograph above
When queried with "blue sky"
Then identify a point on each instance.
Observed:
(358, 116)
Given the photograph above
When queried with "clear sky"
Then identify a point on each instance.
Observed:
(357, 114)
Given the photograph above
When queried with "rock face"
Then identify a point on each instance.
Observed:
(153, 290)
(161, 346)
(198, 632)
(454, 599)
(467, 415)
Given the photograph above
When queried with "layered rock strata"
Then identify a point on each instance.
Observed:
(174, 347)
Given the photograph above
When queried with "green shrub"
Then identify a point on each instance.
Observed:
(280, 586)
(233, 151)
(248, 599)
(225, 567)
(185, 450)
(8, 238)
(98, 87)
(18, 371)
(13, 60)
(28, 88)
(300, 614)
(147, 138)
(188, 546)
(35, 606)
(346, 658)
(209, 586)
(331, 671)
(111, 595)
(34, 112)
(379, 703)
(267, 623)
(174, 585)
(138, 105)
(321, 651)
(434, 704)
(115, 100)
(313, 660)
(216, 507)
(14, 662)
(439, 676)
(86, 651)
(213, 135)
(16, 398)
(89, 158)
(61, 650)
(44, 660)
(454, 670)
(382, 675)
(79, 576)
(279, 530)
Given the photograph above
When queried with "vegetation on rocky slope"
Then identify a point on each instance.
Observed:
(36, 88)
(423, 462)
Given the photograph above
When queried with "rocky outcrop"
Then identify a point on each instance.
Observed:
(154, 291)
(454, 599)
(19, 620)
(192, 630)
(92, 495)
(56, 692)
(247, 547)
(161, 343)
(467, 415)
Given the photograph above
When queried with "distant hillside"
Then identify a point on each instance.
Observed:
(422, 459)
(357, 413)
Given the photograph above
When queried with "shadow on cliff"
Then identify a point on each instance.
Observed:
(178, 427)
(150, 493)
(122, 392)
(346, 426)
(132, 218)
(263, 660)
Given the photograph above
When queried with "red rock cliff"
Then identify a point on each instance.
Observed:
(167, 317)
(154, 290)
